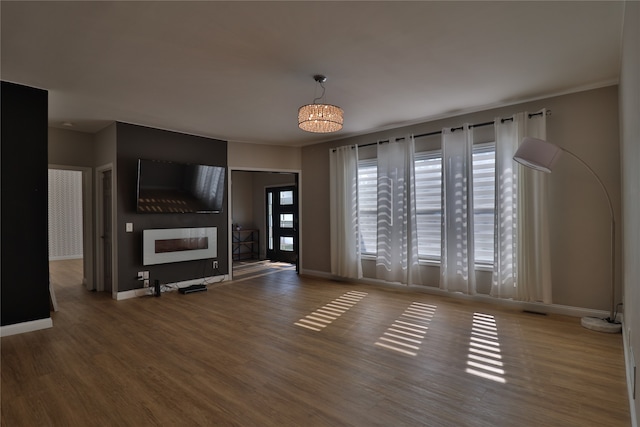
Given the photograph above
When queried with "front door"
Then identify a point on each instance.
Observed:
(282, 224)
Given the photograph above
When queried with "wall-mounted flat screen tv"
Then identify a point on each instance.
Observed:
(172, 187)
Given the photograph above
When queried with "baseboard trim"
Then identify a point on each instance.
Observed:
(629, 363)
(24, 327)
(316, 273)
(169, 287)
(65, 257)
(537, 307)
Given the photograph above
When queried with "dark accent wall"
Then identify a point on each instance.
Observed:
(134, 142)
(25, 260)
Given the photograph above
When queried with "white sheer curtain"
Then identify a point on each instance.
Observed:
(507, 134)
(343, 208)
(457, 272)
(397, 244)
(533, 246)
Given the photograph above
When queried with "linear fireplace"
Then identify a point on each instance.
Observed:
(161, 246)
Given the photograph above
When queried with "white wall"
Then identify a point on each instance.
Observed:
(242, 199)
(630, 155)
(70, 148)
(259, 157)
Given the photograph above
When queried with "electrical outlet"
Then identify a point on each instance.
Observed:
(145, 274)
(140, 275)
(215, 263)
(146, 283)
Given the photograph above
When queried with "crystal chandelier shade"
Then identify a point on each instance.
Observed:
(320, 117)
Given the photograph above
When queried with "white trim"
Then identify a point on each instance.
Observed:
(250, 169)
(169, 287)
(629, 361)
(24, 327)
(316, 273)
(65, 257)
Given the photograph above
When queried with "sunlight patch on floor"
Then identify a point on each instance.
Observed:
(484, 358)
(326, 314)
(405, 335)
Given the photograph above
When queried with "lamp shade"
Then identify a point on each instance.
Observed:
(320, 118)
(537, 154)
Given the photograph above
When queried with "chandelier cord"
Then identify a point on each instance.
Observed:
(321, 96)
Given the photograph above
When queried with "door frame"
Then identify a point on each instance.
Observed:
(98, 230)
(298, 179)
(87, 222)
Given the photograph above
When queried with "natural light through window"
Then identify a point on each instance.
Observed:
(405, 335)
(326, 314)
(429, 210)
(484, 358)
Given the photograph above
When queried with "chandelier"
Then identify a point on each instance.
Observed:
(320, 118)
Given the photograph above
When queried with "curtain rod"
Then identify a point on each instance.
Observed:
(438, 132)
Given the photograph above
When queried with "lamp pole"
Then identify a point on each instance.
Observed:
(611, 318)
(541, 155)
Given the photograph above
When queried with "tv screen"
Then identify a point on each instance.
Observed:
(171, 187)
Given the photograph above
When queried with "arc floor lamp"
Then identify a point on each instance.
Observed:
(541, 155)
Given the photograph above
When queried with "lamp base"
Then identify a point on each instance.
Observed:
(600, 325)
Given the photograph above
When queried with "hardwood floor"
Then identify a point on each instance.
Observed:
(251, 269)
(284, 350)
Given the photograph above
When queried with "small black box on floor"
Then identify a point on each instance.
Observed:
(193, 288)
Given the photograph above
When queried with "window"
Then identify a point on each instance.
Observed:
(270, 220)
(368, 205)
(484, 190)
(286, 198)
(286, 220)
(286, 243)
(428, 173)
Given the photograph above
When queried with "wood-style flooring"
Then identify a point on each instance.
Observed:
(286, 350)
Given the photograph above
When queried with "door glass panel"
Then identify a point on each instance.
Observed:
(286, 220)
(286, 198)
(286, 243)
(270, 220)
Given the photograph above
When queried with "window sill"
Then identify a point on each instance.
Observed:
(432, 263)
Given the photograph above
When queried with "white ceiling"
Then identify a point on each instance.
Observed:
(238, 70)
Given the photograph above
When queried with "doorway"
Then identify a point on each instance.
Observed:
(248, 190)
(70, 230)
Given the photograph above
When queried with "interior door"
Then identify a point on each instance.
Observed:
(282, 224)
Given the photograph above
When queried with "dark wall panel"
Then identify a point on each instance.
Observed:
(25, 263)
(134, 142)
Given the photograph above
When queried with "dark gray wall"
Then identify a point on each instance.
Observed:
(25, 260)
(134, 142)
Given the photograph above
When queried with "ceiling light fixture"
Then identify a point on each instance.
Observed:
(320, 118)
